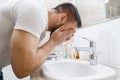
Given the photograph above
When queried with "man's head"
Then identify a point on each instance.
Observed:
(64, 14)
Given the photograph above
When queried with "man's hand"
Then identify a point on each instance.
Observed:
(62, 34)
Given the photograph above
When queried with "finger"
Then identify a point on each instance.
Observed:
(69, 32)
(61, 28)
(69, 38)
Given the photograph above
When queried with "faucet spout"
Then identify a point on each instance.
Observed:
(92, 51)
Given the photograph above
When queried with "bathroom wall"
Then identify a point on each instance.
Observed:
(107, 38)
(2, 1)
(114, 42)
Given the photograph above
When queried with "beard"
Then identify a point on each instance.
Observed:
(55, 28)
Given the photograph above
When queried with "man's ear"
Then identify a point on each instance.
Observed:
(62, 18)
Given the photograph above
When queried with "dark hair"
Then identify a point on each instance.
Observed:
(70, 10)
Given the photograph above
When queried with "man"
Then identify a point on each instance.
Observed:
(22, 26)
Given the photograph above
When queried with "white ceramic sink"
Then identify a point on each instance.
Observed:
(76, 70)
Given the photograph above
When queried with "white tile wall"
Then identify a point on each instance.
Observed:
(114, 42)
(2, 1)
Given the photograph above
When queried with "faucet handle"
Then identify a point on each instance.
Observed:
(86, 39)
(92, 43)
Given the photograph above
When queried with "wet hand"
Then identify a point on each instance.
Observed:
(62, 34)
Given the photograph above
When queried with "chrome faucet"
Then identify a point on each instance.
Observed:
(91, 49)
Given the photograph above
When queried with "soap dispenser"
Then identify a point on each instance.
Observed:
(77, 55)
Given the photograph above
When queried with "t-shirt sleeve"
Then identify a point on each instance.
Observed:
(29, 18)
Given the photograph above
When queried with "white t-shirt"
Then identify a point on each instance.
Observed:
(27, 15)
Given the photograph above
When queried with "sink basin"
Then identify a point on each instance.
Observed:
(76, 70)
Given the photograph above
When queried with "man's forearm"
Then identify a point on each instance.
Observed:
(40, 57)
(44, 51)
